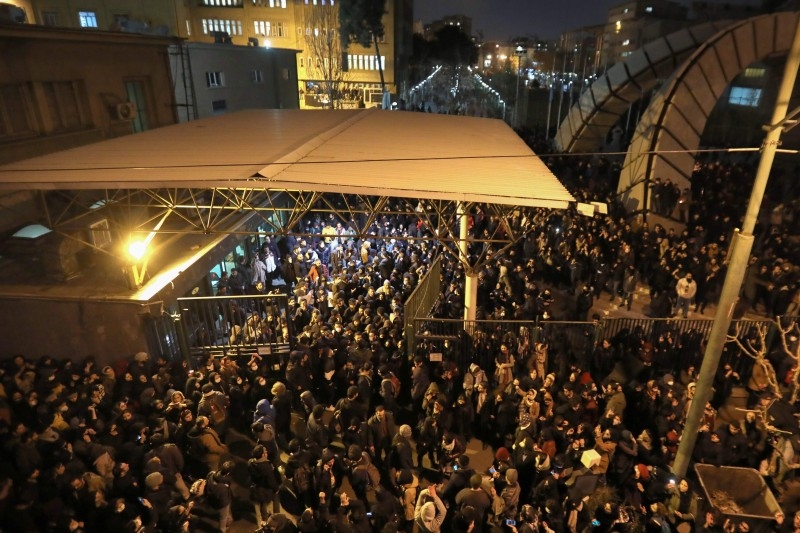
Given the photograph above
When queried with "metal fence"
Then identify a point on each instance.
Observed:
(163, 337)
(477, 341)
(422, 300)
(235, 325)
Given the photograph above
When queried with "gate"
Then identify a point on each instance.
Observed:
(234, 326)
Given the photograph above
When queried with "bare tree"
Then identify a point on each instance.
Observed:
(325, 49)
(756, 349)
(792, 350)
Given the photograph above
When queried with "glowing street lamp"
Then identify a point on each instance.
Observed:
(519, 51)
(138, 253)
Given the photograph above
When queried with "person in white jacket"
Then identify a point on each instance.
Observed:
(686, 289)
(429, 515)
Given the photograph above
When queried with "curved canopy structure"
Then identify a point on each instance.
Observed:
(669, 131)
(588, 122)
(369, 152)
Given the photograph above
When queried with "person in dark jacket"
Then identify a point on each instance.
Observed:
(219, 495)
(282, 403)
(264, 482)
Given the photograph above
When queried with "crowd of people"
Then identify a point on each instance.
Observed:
(350, 434)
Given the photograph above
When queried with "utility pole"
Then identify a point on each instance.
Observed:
(739, 254)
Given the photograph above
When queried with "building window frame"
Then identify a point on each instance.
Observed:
(87, 19)
(215, 79)
(50, 18)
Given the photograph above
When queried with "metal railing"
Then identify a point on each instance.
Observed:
(235, 325)
(422, 300)
(477, 341)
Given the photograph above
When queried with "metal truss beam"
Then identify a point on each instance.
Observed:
(220, 210)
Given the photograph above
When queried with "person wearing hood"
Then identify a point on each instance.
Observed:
(430, 512)
(264, 412)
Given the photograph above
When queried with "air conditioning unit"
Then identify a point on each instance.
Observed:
(125, 111)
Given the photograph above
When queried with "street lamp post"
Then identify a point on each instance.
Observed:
(520, 51)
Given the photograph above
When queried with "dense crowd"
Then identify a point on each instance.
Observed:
(146, 445)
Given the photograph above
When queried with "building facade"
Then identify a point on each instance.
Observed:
(212, 79)
(65, 88)
(633, 24)
(284, 24)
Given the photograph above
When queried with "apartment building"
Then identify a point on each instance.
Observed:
(287, 24)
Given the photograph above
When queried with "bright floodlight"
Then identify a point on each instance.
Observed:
(137, 249)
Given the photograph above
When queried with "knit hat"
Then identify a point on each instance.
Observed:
(278, 387)
(644, 473)
(428, 512)
(511, 476)
(153, 480)
(405, 430)
(502, 455)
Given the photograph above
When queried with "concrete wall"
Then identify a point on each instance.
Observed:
(71, 328)
(276, 90)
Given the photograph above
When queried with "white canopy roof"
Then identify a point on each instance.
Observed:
(369, 152)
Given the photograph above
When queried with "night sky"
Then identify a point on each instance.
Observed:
(505, 19)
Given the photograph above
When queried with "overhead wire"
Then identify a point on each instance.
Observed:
(396, 159)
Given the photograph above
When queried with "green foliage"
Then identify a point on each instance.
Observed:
(360, 20)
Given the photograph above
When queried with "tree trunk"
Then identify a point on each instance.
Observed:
(380, 65)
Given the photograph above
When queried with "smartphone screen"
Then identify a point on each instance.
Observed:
(511, 522)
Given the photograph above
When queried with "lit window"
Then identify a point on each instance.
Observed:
(745, 96)
(618, 26)
(87, 19)
(214, 79)
(754, 72)
(648, 9)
